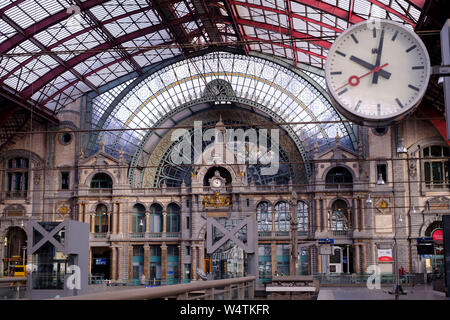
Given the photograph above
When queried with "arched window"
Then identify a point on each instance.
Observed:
(173, 218)
(101, 219)
(101, 181)
(338, 177)
(436, 166)
(302, 216)
(17, 175)
(264, 216)
(282, 216)
(338, 217)
(156, 218)
(138, 218)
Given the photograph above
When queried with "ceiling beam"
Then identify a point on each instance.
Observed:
(331, 9)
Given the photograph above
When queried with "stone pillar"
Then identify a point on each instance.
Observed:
(119, 217)
(114, 219)
(325, 217)
(147, 222)
(113, 263)
(194, 263)
(119, 263)
(85, 214)
(355, 214)
(201, 257)
(180, 269)
(92, 223)
(273, 252)
(319, 260)
(108, 219)
(163, 262)
(147, 261)
(80, 212)
(317, 207)
(164, 221)
(363, 216)
(90, 260)
(130, 262)
(356, 264)
(363, 258)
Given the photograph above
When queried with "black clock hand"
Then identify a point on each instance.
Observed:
(370, 66)
(377, 63)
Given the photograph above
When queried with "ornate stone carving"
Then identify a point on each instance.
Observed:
(216, 201)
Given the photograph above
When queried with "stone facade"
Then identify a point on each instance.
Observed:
(369, 225)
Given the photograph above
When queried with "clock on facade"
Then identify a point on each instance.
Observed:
(377, 72)
(216, 183)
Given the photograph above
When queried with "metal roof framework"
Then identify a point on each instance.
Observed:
(54, 51)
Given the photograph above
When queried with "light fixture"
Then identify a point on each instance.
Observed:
(380, 180)
(368, 199)
(413, 210)
(400, 219)
(141, 223)
(401, 146)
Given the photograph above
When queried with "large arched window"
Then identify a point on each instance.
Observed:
(436, 166)
(138, 223)
(302, 216)
(101, 181)
(338, 217)
(338, 177)
(17, 175)
(101, 219)
(264, 216)
(156, 218)
(173, 218)
(282, 216)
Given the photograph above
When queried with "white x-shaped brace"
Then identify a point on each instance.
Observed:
(47, 236)
(229, 235)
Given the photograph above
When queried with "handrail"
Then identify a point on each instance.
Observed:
(161, 292)
(12, 279)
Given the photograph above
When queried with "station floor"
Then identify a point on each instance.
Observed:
(418, 292)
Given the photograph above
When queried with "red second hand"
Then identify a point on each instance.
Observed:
(354, 80)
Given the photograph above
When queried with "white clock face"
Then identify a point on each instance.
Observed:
(216, 183)
(376, 72)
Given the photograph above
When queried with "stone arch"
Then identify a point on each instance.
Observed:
(343, 165)
(114, 179)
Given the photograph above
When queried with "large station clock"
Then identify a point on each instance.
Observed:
(377, 72)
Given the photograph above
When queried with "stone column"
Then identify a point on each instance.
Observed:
(164, 222)
(108, 217)
(273, 252)
(363, 216)
(163, 261)
(80, 212)
(113, 263)
(119, 217)
(85, 214)
(180, 269)
(355, 214)
(319, 260)
(325, 217)
(363, 258)
(356, 264)
(194, 263)
(317, 207)
(130, 262)
(93, 223)
(114, 219)
(147, 261)
(201, 257)
(147, 222)
(120, 261)
(90, 261)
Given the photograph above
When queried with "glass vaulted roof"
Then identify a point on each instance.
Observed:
(54, 51)
(285, 95)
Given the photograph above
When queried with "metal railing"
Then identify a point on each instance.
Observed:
(359, 279)
(13, 288)
(226, 289)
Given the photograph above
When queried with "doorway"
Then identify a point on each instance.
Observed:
(101, 263)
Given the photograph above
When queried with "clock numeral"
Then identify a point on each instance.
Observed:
(354, 38)
(418, 67)
(379, 109)
(413, 87)
(358, 105)
(343, 91)
(411, 48)
(399, 103)
(374, 32)
(395, 36)
(336, 73)
(341, 53)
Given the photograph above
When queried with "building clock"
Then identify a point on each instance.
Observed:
(377, 72)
